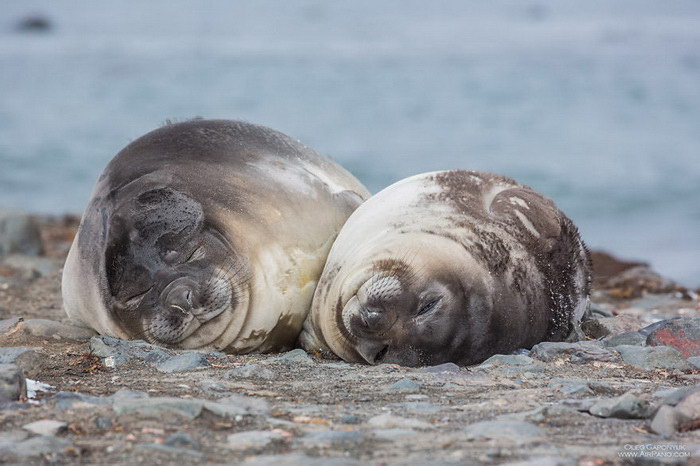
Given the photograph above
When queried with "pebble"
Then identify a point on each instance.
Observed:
(181, 440)
(183, 362)
(46, 427)
(393, 434)
(626, 338)
(350, 419)
(388, 420)
(251, 370)
(580, 352)
(295, 356)
(570, 387)
(446, 367)
(19, 233)
(654, 357)
(403, 385)
(252, 439)
(51, 329)
(103, 423)
(683, 334)
(626, 406)
(13, 384)
(516, 431)
(330, 438)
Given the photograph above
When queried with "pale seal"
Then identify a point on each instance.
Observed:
(449, 266)
(207, 234)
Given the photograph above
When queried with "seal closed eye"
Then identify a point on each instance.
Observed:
(207, 234)
(452, 266)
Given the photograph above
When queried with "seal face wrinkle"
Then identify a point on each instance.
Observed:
(207, 234)
(449, 266)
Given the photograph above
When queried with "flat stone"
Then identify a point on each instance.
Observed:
(545, 461)
(183, 362)
(516, 431)
(674, 396)
(578, 353)
(683, 334)
(666, 421)
(103, 423)
(626, 406)
(36, 446)
(569, 387)
(74, 400)
(350, 419)
(403, 385)
(416, 407)
(120, 351)
(330, 438)
(169, 450)
(250, 405)
(181, 440)
(388, 420)
(13, 384)
(296, 459)
(251, 370)
(7, 325)
(446, 367)
(23, 356)
(654, 357)
(393, 434)
(296, 356)
(626, 338)
(158, 407)
(50, 328)
(506, 360)
(689, 406)
(46, 427)
(31, 267)
(19, 233)
(599, 327)
(257, 439)
(695, 361)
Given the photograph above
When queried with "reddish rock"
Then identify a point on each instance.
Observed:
(682, 334)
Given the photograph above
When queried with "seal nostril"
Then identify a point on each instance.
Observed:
(371, 318)
(381, 354)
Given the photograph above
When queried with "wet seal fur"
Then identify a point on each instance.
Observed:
(207, 234)
(449, 266)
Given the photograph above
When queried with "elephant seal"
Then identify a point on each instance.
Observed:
(207, 234)
(451, 266)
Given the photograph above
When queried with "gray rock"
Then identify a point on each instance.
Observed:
(545, 461)
(626, 338)
(120, 351)
(249, 404)
(598, 327)
(674, 396)
(683, 334)
(331, 438)
(36, 446)
(19, 233)
(257, 439)
(416, 407)
(689, 406)
(626, 406)
(13, 436)
(296, 459)
(126, 394)
(393, 434)
(49, 328)
(296, 356)
(571, 387)
(403, 385)
(155, 408)
(8, 325)
(25, 357)
(13, 385)
(695, 361)
(446, 367)
(655, 357)
(172, 451)
(350, 419)
(31, 267)
(580, 404)
(667, 421)
(251, 370)
(388, 420)
(181, 440)
(183, 362)
(516, 431)
(46, 427)
(74, 400)
(506, 360)
(103, 423)
(578, 353)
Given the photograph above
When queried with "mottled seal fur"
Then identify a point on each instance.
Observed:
(207, 234)
(449, 266)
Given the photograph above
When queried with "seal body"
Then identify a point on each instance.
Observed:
(449, 266)
(207, 234)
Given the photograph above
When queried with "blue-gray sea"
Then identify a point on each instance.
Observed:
(594, 103)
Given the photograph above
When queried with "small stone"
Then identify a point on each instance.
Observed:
(695, 361)
(516, 431)
(569, 387)
(35, 446)
(446, 367)
(23, 356)
(393, 434)
(674, 396)
(252, 439)
(172, 451)
(103, 423)
(296, 459)
(183, 362)
(251, 370)
(689, 406)
(627, 338)
(13, 384)
(626, 406)
(31, 267)
(390, 421)
(19, 233)
(7, 325)
(506, 360)
(46, 427)
(295, 356)
(654, 357)
(599, 327)
(126, 394)
(249, 404)
(416, 407)
(580, 352)
(330, 438)
(181, 440)
(121, 351)
(666, 421)
(49, 328)
(403, 385)
(158, 407)
(683, 334)
(350, 419)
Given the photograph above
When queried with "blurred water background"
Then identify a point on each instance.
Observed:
(595, 103)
